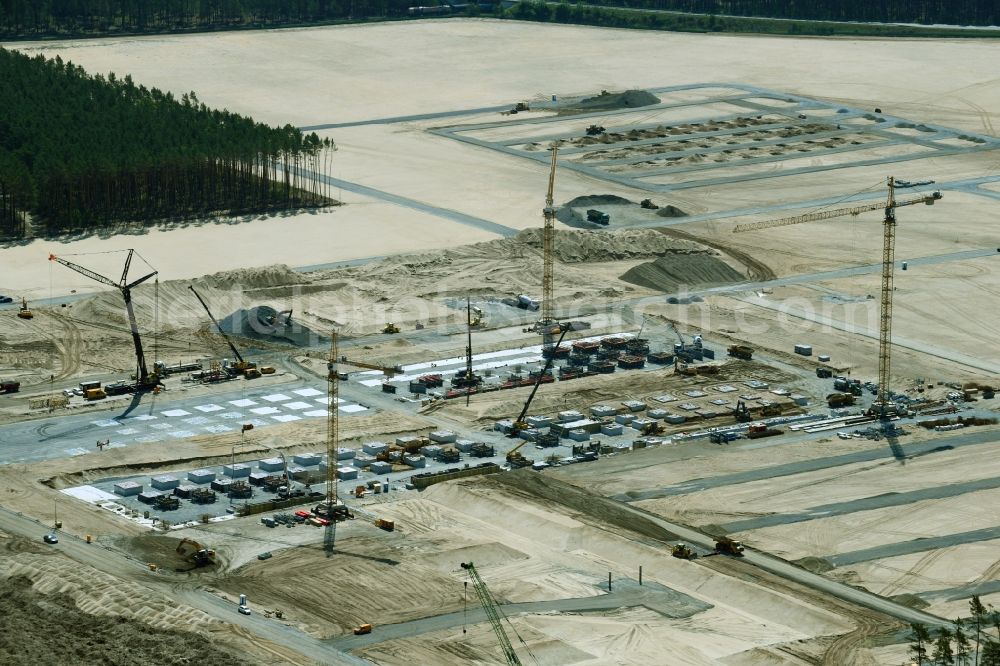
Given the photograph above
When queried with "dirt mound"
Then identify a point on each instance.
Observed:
(572, 246)
(267, 324)
(247, 279)
(623, 100)
(692, 271)
(670, 211)
(598, 200)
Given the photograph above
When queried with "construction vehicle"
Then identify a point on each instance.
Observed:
(598, 217)
(727, 546)
(494, 613)
(596, 130)
(824, 373)
(94, 394)
(836, 400)
(467, 378)
(648, 204)
(682, 551)
(741, 413)
(241, 366)
(758, 430)
(363, 629)
(24, 312)
(359, 492)
(145, 380)
(195, 553)
(741, 351)
(7, 386)
(383, 524)
(883, 406)
(390, 328)
(519, 423)
(477, 320)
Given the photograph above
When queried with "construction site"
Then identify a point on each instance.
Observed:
(611, 364)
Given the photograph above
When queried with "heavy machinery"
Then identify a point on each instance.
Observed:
(24, 312)
(548, 322)
(331, 505)
(519, 423)
(741, 351)
(741, 413)
(363, 629)
(836, 400)
(390, 328)
(241, 366)
(883, 407)
(727, 546)
(8, 386)
(477, 320)
(495, 614)
(648, 204)
(466, 378)
(683, 551)
(144, 380)
(195, 553)
(384, 524)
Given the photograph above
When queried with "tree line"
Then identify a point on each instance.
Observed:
(952, 12)
(33, 18)
(968, 642)
(82, 153)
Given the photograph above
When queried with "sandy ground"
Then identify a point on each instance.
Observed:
(527, 61)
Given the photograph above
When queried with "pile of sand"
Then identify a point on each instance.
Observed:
(607, 101)
(572, 246)
(691, 271)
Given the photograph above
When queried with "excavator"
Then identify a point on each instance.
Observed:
(24, 312)
(514, 457)
(195, 553)
(240, 367)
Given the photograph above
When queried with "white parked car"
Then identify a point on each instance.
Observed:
(244, 610)
(68, 393)
(843, 435)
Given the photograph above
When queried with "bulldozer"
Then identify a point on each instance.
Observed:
(683, 551)
(195, 553)
(24, 312)
(390, 328)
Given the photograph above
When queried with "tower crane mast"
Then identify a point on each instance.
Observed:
(548, 232)
(883, 403)
(144, 380)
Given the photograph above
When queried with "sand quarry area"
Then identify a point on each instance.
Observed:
(442, 190)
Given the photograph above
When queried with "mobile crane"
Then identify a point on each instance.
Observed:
(144, 380)
(494, 614)
(514, 457)
(240, 367)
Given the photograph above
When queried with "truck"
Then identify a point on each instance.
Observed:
(741, 351)
(8, 386)
(363, 629)
(839, 400)
(94, 394)
(722, 437)
(597, 217)
(383, 524)
(727, 546)
(824, 373)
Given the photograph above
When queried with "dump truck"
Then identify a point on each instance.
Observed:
(840, 400)
(741, 351)
(383, 524)
(363, 629)
(597, 217)
(94, 394)
(727, 546)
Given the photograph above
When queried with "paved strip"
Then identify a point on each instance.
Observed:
(865, 504)
(920, 545)
(789, 469)
(626, 594)
(405, 119)
(961, 592)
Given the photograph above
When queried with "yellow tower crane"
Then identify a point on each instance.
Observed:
(548, 323)
(883, 404)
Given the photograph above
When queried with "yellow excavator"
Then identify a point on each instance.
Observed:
(24, 312)
(195, 553)
(390, 328)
